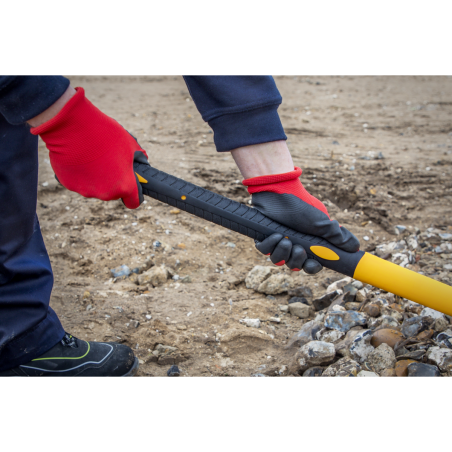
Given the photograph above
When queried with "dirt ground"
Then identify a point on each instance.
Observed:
(338, 129)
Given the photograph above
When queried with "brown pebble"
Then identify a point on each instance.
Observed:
(388, 336)
(396, 307)
(372, 309)
(425, 335)
(175, 211)
(388, 373)
(182, 246)
(401, 367)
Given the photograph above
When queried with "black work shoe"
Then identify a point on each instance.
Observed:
(72, 357)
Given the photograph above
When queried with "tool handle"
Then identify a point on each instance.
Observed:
(238, 217)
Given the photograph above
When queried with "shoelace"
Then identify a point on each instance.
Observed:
(69, 341)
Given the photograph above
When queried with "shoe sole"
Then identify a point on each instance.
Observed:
(132, 372)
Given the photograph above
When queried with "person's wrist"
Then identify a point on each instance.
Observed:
(53, 110)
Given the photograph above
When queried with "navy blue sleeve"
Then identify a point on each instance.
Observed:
(24, 97)
(241, 110)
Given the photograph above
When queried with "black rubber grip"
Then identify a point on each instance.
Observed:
(235, 216)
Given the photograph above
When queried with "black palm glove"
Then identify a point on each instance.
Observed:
(283, 198)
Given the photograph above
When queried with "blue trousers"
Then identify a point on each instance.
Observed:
(28, 326)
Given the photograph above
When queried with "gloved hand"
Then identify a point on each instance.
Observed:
(283, 198)
(91, 153)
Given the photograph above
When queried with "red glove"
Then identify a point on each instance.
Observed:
(91, 153)
(283, 198)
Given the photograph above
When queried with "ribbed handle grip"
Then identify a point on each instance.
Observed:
(238, 217)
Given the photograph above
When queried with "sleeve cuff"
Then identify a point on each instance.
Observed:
(25, 97)
(260, 125)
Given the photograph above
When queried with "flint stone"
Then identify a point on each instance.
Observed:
(366, 373)
(301, 310)
(349, 292)
(358, 284)
(329, 335)
(386, 336)
(428, 312)
(383, 357)
(401, 367)
(444, 338)
(306, 334)
(121, 271)
(383, 321)
(361, 347)
(298, 300)
(440, 324)
(343, 346)
(423, 370)
(313, 372)
(314, 353)
(352, 306)
(283, 308)
(257, 276)
(338, 285)
(156, 276)
(361, 296)
(416, 355)
(276, 284)
(164, 349)
(302, 291)
(252, 323)
(396, 315)
(343, 321)
(412, 327)
(345, 367)
(372, 309)
(325, 301)
(441, 357)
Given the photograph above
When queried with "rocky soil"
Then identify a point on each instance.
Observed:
(180, 291)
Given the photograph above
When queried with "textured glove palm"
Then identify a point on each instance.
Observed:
(283, 198)
(91, 153)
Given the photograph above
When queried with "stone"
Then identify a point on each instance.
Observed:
(302, 291)
(423, 370)
(372, 309)
(358, 284)
(156, 276)
(384, 321)
(412, 327)
(350, 292)
(336, 308)
(444, 338)
(417, 355)
(361, 296)
(396, 315)
(257, 276)
(283, 308)
(361, 347)
(440, 324)
(252, 323)
(387, 336)
(441, 357)
(164, 349)
(306, 334)
(338, 285)
(275, 319)
(352, 306)
(278, 283)
(135, 323)
(313, 353)
(313, 372)
(300, 310)
(428, 312)
(345, 367)
(298, 300)
(121, 271)
(343, 346)
(425, 335)
(366, 373)
(401, 367)
(383, 357)
(343, 321)
(388, 373)
(329, 335)
(133, 278)
(173, 371)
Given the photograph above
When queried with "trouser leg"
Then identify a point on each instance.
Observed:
(28, 326)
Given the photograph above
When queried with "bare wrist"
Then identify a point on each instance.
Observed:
(53, 110)
(263, 159)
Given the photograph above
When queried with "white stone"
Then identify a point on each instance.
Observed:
(314, 353)
(156, 276)
(253, 323)
(365, 373)
(336, 308)
(338, 285)
(381, 358)
(301, 310)
(331, 336)
(257, 276)
(361, 348)
(442, 357)
(428, 312)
